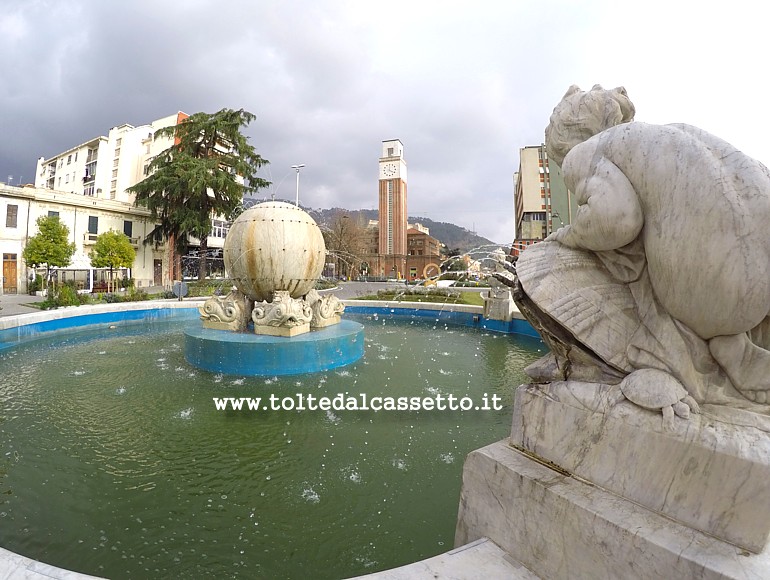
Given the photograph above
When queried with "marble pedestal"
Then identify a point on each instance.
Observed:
(588, 487)
(499, 305)
(285, 331)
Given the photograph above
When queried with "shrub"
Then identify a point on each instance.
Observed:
(111, 298)
(64, 295)
(85, 299)
(135, 295)
(36, 285)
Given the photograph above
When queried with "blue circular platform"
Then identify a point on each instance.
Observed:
(246, 353)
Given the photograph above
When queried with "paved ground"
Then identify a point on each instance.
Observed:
(13, 304)
(347, 290)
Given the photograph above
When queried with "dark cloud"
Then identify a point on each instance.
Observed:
(463, 86)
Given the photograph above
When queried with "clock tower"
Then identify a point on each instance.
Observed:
(393, 216)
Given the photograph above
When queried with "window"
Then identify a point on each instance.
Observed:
(89, 190)
(115, 162)
(52, 213)
(67, 178)
(11, 215)
(93, 224)
(219, 229)
(114, 173)
(128, 228)
(146, 169)
(117, 152)
(390, 151)
(76, 156)
(60, 182)
(118, 142)
(69, 159)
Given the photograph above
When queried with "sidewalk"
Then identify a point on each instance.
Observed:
(13, 304)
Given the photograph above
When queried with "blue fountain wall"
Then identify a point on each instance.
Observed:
(62, 323)
(246, 353)
(18, 329)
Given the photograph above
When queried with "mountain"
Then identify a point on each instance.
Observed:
(451, 235)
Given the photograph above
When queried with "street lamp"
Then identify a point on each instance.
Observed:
(558, 217)
(298, 167)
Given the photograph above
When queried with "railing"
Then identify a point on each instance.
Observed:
(89, 238)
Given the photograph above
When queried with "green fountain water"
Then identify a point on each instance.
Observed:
(115, 462)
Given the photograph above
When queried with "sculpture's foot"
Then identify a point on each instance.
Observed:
(746, 364)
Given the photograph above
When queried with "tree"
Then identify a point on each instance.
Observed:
(203, 174)
(49, 246)
(112, 250)
(345, 241)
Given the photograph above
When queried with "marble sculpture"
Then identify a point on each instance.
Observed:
(666, 264)
(641, 446)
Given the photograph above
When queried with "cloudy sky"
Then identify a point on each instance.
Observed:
(464, 85)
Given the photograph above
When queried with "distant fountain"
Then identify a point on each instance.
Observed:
(274, 253)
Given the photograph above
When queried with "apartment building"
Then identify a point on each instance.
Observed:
(541, 200)
(105, 167)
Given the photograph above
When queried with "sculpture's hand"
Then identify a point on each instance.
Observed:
(558, 235)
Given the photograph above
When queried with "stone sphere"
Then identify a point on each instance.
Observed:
(274, 246)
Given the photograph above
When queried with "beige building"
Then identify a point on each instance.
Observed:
(541, 200)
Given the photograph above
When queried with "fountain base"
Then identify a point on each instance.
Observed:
(249, 354)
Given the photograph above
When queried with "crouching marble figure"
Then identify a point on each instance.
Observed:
(654, 302)
(666, 264)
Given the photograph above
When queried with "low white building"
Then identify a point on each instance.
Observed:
(86, 217)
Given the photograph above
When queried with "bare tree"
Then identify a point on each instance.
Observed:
(345, 242)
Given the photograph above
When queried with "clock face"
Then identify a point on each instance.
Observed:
(390, 170)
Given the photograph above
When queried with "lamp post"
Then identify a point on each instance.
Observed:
(298, 167)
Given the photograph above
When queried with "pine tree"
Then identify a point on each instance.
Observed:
(204, 174)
